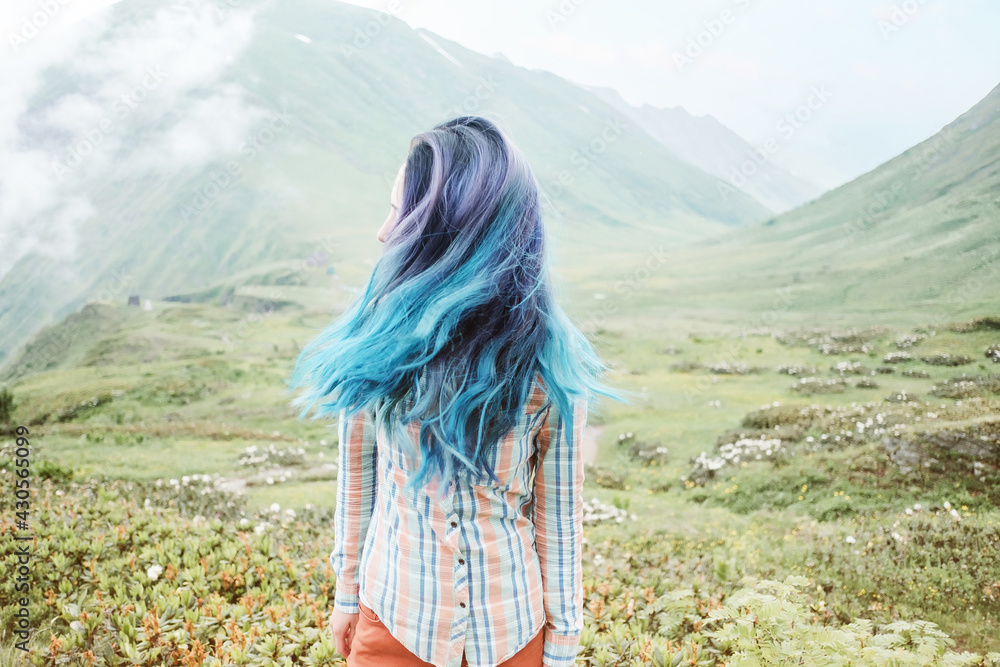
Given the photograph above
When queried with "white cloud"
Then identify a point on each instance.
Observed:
(215, 125)
(74, 113)
(136, 94)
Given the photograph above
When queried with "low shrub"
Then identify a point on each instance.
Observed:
(7, 405)
(901, 396)
(735, 368)
(766, 624)
(946, 359)
(813, 385)
(704, 467)
(271, 456)
(909, 340)
(795, 369)
(977, 324)
(896, 358)
(967, 386)
(850, 368)
(849, 341)
(605, 478)
(649, 454)
(932, 559)
(778, 415)
(685, 366)
(594, 511)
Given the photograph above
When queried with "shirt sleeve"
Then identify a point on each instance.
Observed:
(558, 519)
(356, 491)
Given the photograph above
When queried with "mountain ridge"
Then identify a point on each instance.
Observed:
(178, 201)
(914, 239)
(687, 136)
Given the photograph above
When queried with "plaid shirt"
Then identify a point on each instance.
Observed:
(485, 569)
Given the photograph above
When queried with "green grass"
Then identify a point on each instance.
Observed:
(170, 416)
(118, 399)
(250, 586)
(929, 254)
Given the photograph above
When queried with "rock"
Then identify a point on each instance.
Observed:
(905, 454)
(971, 445)
(979, 443)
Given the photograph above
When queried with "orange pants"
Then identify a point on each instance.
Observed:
(374, 646)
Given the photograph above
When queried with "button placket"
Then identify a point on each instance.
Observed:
(461, 594)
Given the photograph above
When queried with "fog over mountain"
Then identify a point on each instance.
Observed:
(168, 146)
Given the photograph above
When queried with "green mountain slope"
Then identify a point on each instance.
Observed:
(272, 142)
(708, 144)
(916, 239)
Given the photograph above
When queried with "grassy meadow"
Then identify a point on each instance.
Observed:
(823, 495)
(771, 494)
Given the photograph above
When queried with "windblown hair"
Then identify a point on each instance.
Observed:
(459, 312)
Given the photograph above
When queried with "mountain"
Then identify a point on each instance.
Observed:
(709, 145)
(916, 239)
(179, 147)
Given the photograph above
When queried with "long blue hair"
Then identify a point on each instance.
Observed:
(459, 313)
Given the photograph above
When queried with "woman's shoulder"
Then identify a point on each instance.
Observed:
(538, 399)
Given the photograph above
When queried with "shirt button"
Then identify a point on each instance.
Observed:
(454, 525)
(462, 605)
(461, 561)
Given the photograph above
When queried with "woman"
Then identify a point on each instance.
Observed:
(462, 391)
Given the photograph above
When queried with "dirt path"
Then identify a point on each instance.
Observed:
(590, 436)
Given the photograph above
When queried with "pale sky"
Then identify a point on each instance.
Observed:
(897, 71)
(894, 72)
